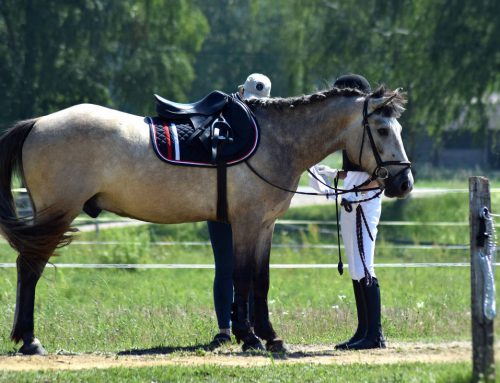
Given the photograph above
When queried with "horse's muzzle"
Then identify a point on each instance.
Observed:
(400, 185)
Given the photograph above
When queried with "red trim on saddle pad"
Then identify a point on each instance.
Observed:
(166, 130)
(176, 151)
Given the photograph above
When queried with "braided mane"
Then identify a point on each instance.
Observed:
(393, 109)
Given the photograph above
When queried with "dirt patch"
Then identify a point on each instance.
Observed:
(231, 356)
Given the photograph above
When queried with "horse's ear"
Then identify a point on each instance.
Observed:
(379, 103)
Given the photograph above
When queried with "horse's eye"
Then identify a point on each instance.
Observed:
(384, 132)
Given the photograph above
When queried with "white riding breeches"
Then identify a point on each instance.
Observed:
(372, 210)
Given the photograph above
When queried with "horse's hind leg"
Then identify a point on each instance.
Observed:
(28, 274)
(35, 242)
(262, 325)
(244, 250)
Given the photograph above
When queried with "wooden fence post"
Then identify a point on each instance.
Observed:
(482, 327)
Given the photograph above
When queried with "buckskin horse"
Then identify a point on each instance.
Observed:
(92, 157)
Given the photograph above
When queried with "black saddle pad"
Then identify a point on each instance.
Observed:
(173, 142)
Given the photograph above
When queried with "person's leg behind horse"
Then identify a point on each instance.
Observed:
(221, 238)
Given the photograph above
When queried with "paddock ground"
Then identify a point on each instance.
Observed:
(397, 352)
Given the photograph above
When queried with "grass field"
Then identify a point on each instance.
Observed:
(123, 310)
(419, 372)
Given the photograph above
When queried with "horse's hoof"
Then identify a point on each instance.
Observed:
(33, 348)
(276, 346)
(252, 343)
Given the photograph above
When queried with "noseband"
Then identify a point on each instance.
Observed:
(380, 172)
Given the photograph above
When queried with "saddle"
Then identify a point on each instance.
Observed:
(219, 128)
(207, 106)
(217, 131)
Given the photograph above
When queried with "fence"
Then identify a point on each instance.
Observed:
(87, 224)
(483, 297)
(482, 264)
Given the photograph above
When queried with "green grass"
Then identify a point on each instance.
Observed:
(397, 373)
(116, 310)
(120, 310)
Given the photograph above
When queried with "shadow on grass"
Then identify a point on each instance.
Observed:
(166, 350)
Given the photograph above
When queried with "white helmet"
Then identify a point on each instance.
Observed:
(256, 86)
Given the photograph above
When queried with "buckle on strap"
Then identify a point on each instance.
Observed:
(381, 172)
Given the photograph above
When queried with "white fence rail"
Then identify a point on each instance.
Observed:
(193, 266)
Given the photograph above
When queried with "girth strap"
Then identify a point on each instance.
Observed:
(222, 214)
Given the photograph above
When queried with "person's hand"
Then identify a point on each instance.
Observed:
(327, 171)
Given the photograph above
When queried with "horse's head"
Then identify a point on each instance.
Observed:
(376, 143)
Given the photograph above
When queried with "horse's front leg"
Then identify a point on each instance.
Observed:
(262, 325)
(28, 274)
(244, 242)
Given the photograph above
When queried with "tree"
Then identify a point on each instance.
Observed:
(54, 54)
(445, 54)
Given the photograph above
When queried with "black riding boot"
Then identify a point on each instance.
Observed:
(362, 318)
(374, 337)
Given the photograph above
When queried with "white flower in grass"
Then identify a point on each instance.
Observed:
(342, 297)
(420, 305)
(335, 307)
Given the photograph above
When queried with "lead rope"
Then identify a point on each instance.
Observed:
(340, 266)
(359, 236)
(345, 203)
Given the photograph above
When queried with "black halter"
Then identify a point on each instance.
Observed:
(380, 172)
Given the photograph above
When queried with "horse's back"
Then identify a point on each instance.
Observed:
(74, 148)
(88, 151)
(93, 121)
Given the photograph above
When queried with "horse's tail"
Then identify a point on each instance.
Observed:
(35, 238)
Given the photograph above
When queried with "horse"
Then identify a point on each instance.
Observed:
(89, 155)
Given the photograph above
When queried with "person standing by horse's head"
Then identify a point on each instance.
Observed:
(358, 235)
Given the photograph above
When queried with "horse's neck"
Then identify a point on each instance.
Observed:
(308, 133)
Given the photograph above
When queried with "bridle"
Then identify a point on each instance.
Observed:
(380, 172)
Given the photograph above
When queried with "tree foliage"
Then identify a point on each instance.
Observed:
(445, 54)
(55, 53)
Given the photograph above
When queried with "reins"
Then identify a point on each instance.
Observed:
(380, 172)
(346, 204)
(336, 191)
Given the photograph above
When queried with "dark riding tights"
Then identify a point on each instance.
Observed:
(221, 237)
